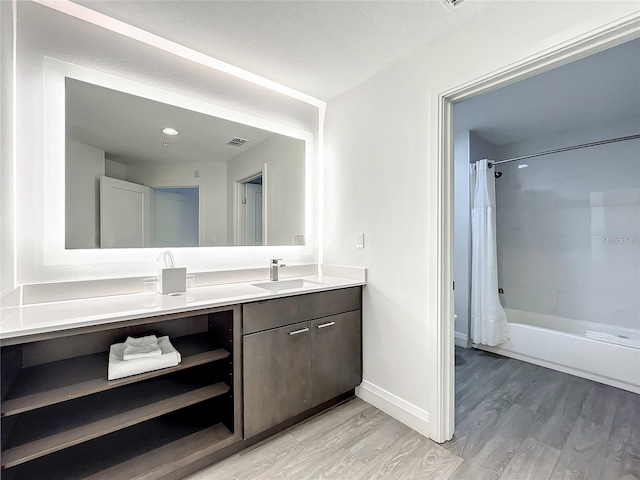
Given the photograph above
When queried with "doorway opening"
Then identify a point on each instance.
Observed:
(176, 216)
(250, 215)
(616, 35)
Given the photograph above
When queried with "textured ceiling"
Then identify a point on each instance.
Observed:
(321, 48)
(129, 128)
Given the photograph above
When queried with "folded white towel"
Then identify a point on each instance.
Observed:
(119, 368)
(141, 347)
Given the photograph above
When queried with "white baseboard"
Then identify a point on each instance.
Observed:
(461, 340)
(400, 409)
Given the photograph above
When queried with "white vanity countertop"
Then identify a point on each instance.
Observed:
(41, 318)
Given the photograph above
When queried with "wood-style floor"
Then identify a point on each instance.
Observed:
(514, 421)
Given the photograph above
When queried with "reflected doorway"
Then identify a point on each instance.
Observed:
(176, 217)
(250, 218)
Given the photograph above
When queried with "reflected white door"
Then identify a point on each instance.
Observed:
(254, 213)
(176, 218)
(125, 213)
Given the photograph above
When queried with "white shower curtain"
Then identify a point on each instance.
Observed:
(488, 319)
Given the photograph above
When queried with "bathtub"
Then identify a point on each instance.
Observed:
(606, 354)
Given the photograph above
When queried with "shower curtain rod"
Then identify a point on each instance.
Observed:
(565, 149)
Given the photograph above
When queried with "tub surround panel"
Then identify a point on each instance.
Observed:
(568, 227)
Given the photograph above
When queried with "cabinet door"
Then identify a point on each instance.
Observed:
(276, 376)
(336, 355)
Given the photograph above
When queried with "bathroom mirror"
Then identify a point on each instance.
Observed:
(142, 173)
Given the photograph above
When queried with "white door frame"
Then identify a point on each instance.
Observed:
(613, 34)
(239, 216)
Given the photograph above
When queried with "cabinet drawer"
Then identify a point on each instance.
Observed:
(279, 312)
(275, 313)
(336, 301)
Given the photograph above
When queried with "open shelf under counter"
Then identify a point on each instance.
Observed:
(50, 383)
(149, 450)
(47, 430)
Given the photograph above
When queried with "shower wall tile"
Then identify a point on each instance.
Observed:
(615, 220)
(522, 296)
(568, 227)
(578, 304)
(574, 274)
(616, 309)
(616, 197)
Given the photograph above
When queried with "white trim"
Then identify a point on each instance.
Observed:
(461, 340)
(578, 46)
(319, 213)
(561, 368)
(391, 404)
(240, 211)
(14, 141)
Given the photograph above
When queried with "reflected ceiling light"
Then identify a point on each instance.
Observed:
(170, 131)
(524, 165)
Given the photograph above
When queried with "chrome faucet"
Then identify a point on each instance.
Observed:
(275, 269)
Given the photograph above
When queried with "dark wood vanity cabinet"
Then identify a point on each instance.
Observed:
(299, 352)
(246, 371)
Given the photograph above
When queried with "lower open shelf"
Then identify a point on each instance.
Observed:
(56, 382)
(150, 449)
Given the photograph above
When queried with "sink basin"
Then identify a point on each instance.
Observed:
(281, 285)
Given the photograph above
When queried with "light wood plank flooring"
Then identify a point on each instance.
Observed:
(514, 421)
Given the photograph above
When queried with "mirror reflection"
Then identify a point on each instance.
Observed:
(140, 173)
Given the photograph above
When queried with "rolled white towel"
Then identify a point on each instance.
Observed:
(119, 368)
(141, 347)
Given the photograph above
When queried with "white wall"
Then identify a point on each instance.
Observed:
(43, 32)
(7, 247)
(381, 164)
(212, 181)
(553, 253)
(114, 169)
(284, 183)
(84, 167)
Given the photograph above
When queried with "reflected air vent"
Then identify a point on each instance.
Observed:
(452, 2)
(237, 141)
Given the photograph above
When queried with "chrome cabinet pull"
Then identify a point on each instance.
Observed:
(324, 325)
(296, 332)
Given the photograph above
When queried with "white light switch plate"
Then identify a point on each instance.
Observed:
(359, 240)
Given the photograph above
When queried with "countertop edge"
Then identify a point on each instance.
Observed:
(23, 334)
